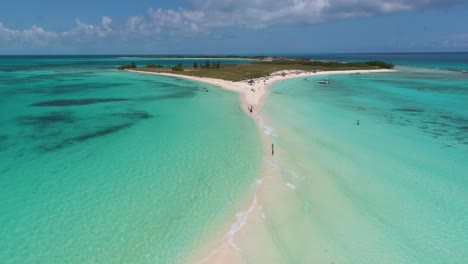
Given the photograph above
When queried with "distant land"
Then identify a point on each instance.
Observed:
(255, 69)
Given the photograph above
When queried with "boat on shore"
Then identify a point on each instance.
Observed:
(326, 81)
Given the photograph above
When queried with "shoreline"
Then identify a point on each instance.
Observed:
(225, 249)
(188, 58)
(256, 94)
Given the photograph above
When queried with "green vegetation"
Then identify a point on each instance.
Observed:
(208, 65)
(128, 66)
(381, 64)
(339, 65)
(257, 69)
(205, 56)
(179, 67)
(154, 66)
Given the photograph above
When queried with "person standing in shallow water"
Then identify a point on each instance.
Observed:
(272, 149)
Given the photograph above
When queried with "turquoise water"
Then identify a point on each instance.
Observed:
(103, 166)
(393, 189)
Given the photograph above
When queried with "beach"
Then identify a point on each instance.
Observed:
(255, 94)
(246, 235)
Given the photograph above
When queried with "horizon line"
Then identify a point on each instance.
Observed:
(229, 54)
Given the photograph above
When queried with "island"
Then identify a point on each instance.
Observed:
(252, 79)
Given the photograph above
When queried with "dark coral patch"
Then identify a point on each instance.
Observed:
(409, 110)
(100, 133)
(72, 102)
(180, 95)
(87, 136)
(45, 120)
(137, 115)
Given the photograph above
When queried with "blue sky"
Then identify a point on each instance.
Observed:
(232, 26)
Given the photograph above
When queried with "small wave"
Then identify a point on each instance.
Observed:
(124, 57)
(290, 185)
(293, 173)
(237, 226)
(455, 70)
(263, 213)
(266, 129)
(269, 131)
(258, 182)
(270, 162)
(241, 219)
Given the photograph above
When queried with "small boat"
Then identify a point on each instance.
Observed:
(326, 81)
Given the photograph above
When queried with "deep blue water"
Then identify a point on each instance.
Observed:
(94, 62)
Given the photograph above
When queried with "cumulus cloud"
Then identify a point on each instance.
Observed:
(84, 31)
(35, 35)
(38, 36)
(455, 41)
(201, 16)
(106, 21)
(208, 14)
(158, 20)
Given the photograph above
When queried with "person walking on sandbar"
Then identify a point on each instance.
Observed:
(272, 149)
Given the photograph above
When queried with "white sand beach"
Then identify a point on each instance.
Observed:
(255, 94)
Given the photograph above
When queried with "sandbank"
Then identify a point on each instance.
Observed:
(254, 94)
(247, 229)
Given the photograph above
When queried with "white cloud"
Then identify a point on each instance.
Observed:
(38, 36)
(83, 31)
(459, 41)
(209, 14)
(106, 21)
(205, 15)
(35, 35)
(155, 21)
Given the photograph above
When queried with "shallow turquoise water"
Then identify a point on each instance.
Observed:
(103, 166)
(393, 189)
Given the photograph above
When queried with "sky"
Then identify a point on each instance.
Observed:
(232, 26)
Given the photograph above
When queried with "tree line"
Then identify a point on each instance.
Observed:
(207, 65)
(179, 67)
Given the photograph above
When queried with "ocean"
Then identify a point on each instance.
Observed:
(452, 61)
(373, 168)
(104, 166)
